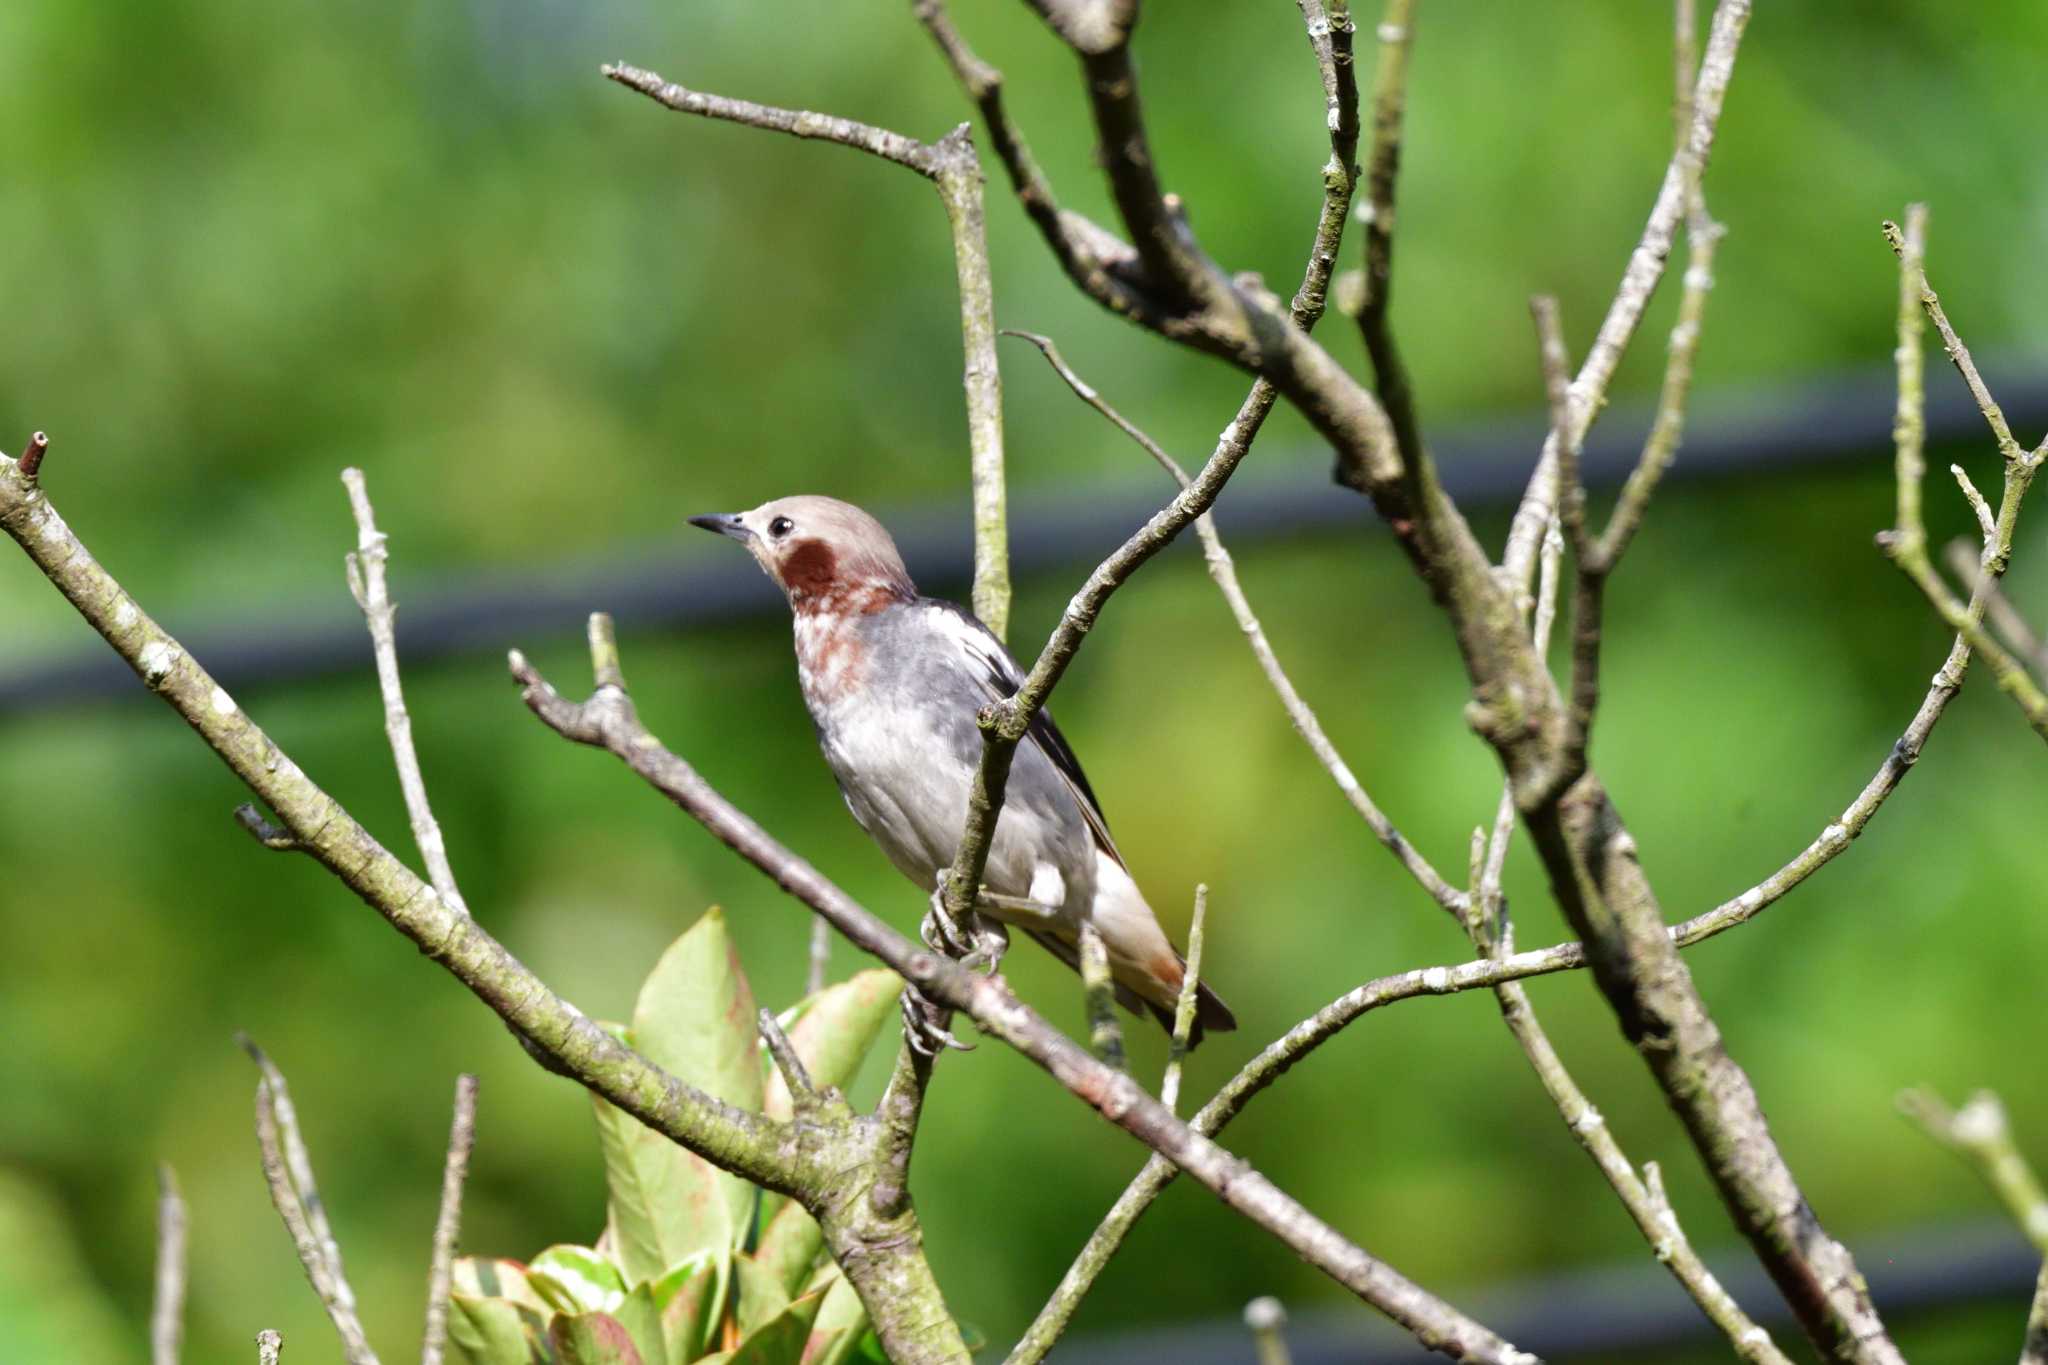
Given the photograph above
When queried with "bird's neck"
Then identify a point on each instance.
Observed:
(831, 648)
(842, 597)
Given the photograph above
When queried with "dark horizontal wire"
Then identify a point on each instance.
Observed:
(1819, 425)
(1632, 1310)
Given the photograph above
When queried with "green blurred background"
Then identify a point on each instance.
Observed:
(243, 246)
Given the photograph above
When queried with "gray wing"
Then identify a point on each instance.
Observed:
(998, 673)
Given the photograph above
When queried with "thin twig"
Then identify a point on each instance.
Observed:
(1638, 284)
(1224, 571)
(448, 1221)
(1266, 1318)
(904, 151)
(1965, 561)
(1184, 1008)
(820, 956)
(1906, 543)
(289, 1173)
(167, 1310)
(1383, 167)
(367, 578)
(803, 1092)
(1105, 1035)
(1982, 1134)
(1332, 37)
(269, 1347)
(1589, 576)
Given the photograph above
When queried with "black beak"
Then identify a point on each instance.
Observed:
(724, 523)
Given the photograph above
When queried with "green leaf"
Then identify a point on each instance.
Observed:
(641, 1317)
(573, 1279)
(789, 1248)
(484, 1277)
(761, 1295)
(841, 1323)
(833, 1030)
(497, 1331)
(689, 1298)
(695, 1019)
(593, 1339)
(666, 1204)
(781, 1339)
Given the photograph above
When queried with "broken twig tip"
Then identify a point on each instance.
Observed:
(32, 457)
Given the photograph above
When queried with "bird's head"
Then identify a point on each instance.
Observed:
(824, 553)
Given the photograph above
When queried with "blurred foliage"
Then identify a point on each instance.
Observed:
(245, 245)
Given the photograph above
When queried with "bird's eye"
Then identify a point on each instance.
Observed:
(780, 527)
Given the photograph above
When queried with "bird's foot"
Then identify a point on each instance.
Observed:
(924, 1025)
(941, 932)
(991, 941)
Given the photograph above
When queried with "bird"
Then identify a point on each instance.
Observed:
(894, 682)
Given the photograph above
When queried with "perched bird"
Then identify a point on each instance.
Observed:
(894, 682)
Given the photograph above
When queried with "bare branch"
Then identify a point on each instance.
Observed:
(1589, 576)
(167, 1310)
(608, 720)
(1914, 283)
(448, 1222)
(1965, 561)
(1383, 167)
(1906, 544)
(374, 597)
(289, 1173)
(1184, 1008)
(952, 166)
(904, 151)
(1224, 571)
(820, 957)
(1331, 36)
(1095, 259)
(269, 1346)
(1105, 1037)
(1638, 284)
